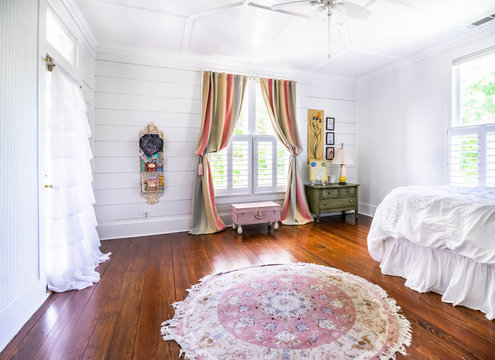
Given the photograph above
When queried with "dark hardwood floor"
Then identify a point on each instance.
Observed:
(120, 317)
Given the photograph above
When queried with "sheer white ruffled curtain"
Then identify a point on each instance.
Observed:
(72, 241)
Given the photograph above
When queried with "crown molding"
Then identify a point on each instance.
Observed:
(476, 34)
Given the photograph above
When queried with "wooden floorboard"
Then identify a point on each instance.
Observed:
(120, 317)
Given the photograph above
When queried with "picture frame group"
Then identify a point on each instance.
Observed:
(330, 152)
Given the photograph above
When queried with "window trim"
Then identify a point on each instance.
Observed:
(456, 128)
(253, 188)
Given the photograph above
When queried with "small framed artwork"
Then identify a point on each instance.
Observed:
(330, 138)
(330, 123)
(330, 153)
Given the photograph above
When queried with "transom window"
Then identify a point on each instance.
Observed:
(472, 135)
(255, 161)
(59, 37)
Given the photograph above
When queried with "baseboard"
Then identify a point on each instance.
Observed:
(143, 227)
(17, 313)
(367, 209)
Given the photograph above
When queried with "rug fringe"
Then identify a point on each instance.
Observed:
(170, 328)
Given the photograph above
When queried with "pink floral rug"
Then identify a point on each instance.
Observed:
(291, 311)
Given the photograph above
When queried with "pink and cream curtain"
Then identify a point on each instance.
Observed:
(221, 105)
(280, 100)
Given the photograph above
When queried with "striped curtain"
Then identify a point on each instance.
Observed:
(280, 100)
(221, 105)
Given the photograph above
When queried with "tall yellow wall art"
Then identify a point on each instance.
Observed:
(315, 134)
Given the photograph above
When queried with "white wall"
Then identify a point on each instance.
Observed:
(403, 116)
(134, 90)
(22, 24)
(22, 289)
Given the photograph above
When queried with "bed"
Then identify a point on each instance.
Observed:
(439, 239)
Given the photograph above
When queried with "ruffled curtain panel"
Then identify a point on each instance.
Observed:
(280, 100)
(72, 241)
(222, 98)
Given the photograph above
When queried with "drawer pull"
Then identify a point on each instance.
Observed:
(259, 215)
(324, 204)
(351, 200)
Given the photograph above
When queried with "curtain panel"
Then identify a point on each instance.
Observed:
(72, 241)
(280, 100)
(222, 96)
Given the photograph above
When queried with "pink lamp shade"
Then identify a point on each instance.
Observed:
(342, 158)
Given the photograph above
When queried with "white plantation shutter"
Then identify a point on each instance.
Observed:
(472, 155)
(283, 157)
(240, 148)
(218, 164)
(264, 163)
(490, 157)
(464, 159)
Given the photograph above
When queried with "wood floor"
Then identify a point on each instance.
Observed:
(120, 317)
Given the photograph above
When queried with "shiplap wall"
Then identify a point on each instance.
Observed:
(132, 91)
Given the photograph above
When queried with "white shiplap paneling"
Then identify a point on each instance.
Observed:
(132, 91)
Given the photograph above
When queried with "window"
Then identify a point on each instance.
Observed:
(255, 161)
(472, 135)
(59, 37)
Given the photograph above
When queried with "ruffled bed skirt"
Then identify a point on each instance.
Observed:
(460, 280)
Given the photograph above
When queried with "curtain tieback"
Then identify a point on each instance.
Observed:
(200, 166)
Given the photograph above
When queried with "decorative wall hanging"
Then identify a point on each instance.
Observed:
(315, 134)
(151, 163)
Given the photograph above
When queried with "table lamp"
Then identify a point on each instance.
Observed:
(342, 158)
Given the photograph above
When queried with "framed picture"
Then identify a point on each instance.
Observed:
(316, 132)
(330, 153)
(330, 122)
(330, 138)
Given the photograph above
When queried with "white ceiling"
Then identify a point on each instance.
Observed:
(251, 32)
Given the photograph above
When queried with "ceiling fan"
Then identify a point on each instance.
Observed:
(329, 7)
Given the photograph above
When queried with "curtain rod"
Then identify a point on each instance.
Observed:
(250, 77)
(50, 64)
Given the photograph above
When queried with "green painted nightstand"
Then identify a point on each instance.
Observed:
(332, 198)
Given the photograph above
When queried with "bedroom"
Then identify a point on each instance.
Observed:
(388, 85)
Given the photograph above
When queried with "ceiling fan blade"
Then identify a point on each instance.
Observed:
(354, 10)
(281, 5)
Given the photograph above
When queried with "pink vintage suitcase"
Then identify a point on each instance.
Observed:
(254, 213)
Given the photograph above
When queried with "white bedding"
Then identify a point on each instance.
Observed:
(440, 239)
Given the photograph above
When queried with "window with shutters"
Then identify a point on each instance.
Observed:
(472, 135)
(255, 161)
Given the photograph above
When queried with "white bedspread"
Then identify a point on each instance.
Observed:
(440, 239)
(445, 217)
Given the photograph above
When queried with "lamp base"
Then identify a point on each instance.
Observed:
(342, 180)
(342, 183)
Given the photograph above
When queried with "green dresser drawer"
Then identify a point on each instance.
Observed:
(337, 203)
(347, 192)
(329, 193)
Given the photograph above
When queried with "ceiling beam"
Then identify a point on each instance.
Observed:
(138, 8)
(186, 36)
(268, 8)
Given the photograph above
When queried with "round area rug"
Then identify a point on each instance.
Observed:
(290, 311)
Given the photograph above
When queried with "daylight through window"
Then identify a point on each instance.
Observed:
(255, 161)
(472, 135)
